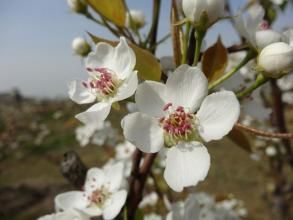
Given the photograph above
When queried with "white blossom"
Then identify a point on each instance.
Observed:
(84, 133)
(167, 118)
(111, 79)
(271, 151)
(149, 200)
(124, 150)
(276, 59)
(152, 216)
(66, 215)
(102, 195)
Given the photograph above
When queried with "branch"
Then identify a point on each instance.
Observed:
(264, 133)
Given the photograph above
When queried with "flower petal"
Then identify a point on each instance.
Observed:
(217, 115)
(123, 60)
(186, 165)
(92, 211)
(95, 178)
(187, 87)
(79, 93)
(70, 200)
(143, 131)
(128, 88)
(98, 112)
(101, 57)
(114, 175)
(117, 201)
(150, 98)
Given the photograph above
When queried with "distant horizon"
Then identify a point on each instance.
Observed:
(36, 54)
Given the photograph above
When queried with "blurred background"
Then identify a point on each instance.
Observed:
(37, 124)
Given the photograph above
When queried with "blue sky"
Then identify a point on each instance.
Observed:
(36, 35)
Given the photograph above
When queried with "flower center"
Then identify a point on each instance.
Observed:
(178, 125)
(264, 25)
(99, 196)
(103, 81)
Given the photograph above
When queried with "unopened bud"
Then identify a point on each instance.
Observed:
(135, 19)
(81, 47)
(78, 6)
(276, 60)
(195, 9)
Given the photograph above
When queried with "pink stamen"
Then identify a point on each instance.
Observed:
(166, 107)
(264, 25)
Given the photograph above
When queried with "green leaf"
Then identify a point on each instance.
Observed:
(113, 10)
(240, 139)
(214, 61)
(138, 214)
(146, 63)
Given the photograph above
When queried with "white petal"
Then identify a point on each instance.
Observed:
(92, 211)
(143, 131)
(186, 165)
(193, 9)
(123, 59)
(98, 112)
(79, 93)
(266, 37)
(95, 178)
(101, 57)
(117, 201)
(150, 98)
(217, 115)
(114, 175)
(70, 200)
(187, 87)
(128, 87)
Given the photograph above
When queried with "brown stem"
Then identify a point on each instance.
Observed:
(264, 133)
(136, 190)
(152, 36)
(279, 117)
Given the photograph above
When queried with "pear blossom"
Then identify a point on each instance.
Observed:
(167, 118)
(256, 31)
(124, 150)
(102, 195)
(84, 133)
(276, 59)
(201, 206)
(152, 216)
(135, 19)
(111, 79)
(194, 10)
(288, 37)
(149, 200)
(80, 46)
(66, 215)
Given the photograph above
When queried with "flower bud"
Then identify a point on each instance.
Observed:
(81, 47)
(276, 59)
(135, 19)
(267, 37)
(195, 10)
(78, 6)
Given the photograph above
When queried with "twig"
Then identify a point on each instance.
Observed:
(264, 133)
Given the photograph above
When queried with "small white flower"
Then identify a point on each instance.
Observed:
(276, 59)
(84, 133)
(277, 2)
(167, 118)
(286, 82)
(149, 200)
(194, 9)
(271, 151)
(136, 21)
(111, 79)
(124, 150)
(78, 6)
(287, 97)
(80, 46)
(255, 30)
(66, 215)
(107, 135)
(102, 193)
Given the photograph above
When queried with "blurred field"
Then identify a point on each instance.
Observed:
(35, 134)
